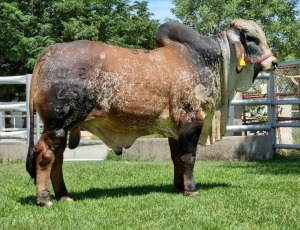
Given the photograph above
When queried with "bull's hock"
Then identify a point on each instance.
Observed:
(229, 148)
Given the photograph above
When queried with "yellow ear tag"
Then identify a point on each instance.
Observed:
(242, 62)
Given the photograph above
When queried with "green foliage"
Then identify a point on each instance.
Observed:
(279, 19)
(258, 112)
(138, 195)
(28, 27)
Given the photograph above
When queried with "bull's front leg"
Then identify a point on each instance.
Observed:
(183, 153)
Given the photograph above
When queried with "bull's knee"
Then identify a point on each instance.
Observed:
(188, 159)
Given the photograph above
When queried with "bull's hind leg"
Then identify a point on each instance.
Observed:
(56, 175)
(48, 151)
(183, 153)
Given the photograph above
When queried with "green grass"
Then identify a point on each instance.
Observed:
(138, 195)
(94, 138)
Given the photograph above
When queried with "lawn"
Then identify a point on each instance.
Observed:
(138, 195)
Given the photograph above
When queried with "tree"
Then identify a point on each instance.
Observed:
(28, 27)
(278, 18)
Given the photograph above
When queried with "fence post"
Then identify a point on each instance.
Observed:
(28, 81)
(1, 122)
(272, 110)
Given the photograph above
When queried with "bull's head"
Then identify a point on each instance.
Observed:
(251, 46)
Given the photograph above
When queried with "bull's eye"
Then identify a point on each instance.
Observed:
(252, 39)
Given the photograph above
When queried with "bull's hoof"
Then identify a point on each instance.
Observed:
(178, 190)
(66, 199)
(191, 193)
(45, 204)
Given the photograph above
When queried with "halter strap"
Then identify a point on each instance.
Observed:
(259, 60)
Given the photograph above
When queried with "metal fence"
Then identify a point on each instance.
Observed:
(272, 105)
(7, 109)
(287, 108)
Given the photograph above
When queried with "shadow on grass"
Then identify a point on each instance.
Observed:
(31, 200)
(98, 193)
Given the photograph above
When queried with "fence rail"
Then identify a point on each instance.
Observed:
(13, 106)
(14, 135)
(11, 80)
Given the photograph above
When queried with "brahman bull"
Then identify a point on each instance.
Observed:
(180, 90)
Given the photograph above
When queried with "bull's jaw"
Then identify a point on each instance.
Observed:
(268, 65)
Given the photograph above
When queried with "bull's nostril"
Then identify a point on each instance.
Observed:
(275, 64)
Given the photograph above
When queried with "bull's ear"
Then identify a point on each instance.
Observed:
(240, 56)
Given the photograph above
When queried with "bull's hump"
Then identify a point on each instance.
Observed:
(203, 49)
(175, 32)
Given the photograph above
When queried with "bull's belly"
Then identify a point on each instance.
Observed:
(119, 135)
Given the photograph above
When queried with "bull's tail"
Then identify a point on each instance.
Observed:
(31, 158)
